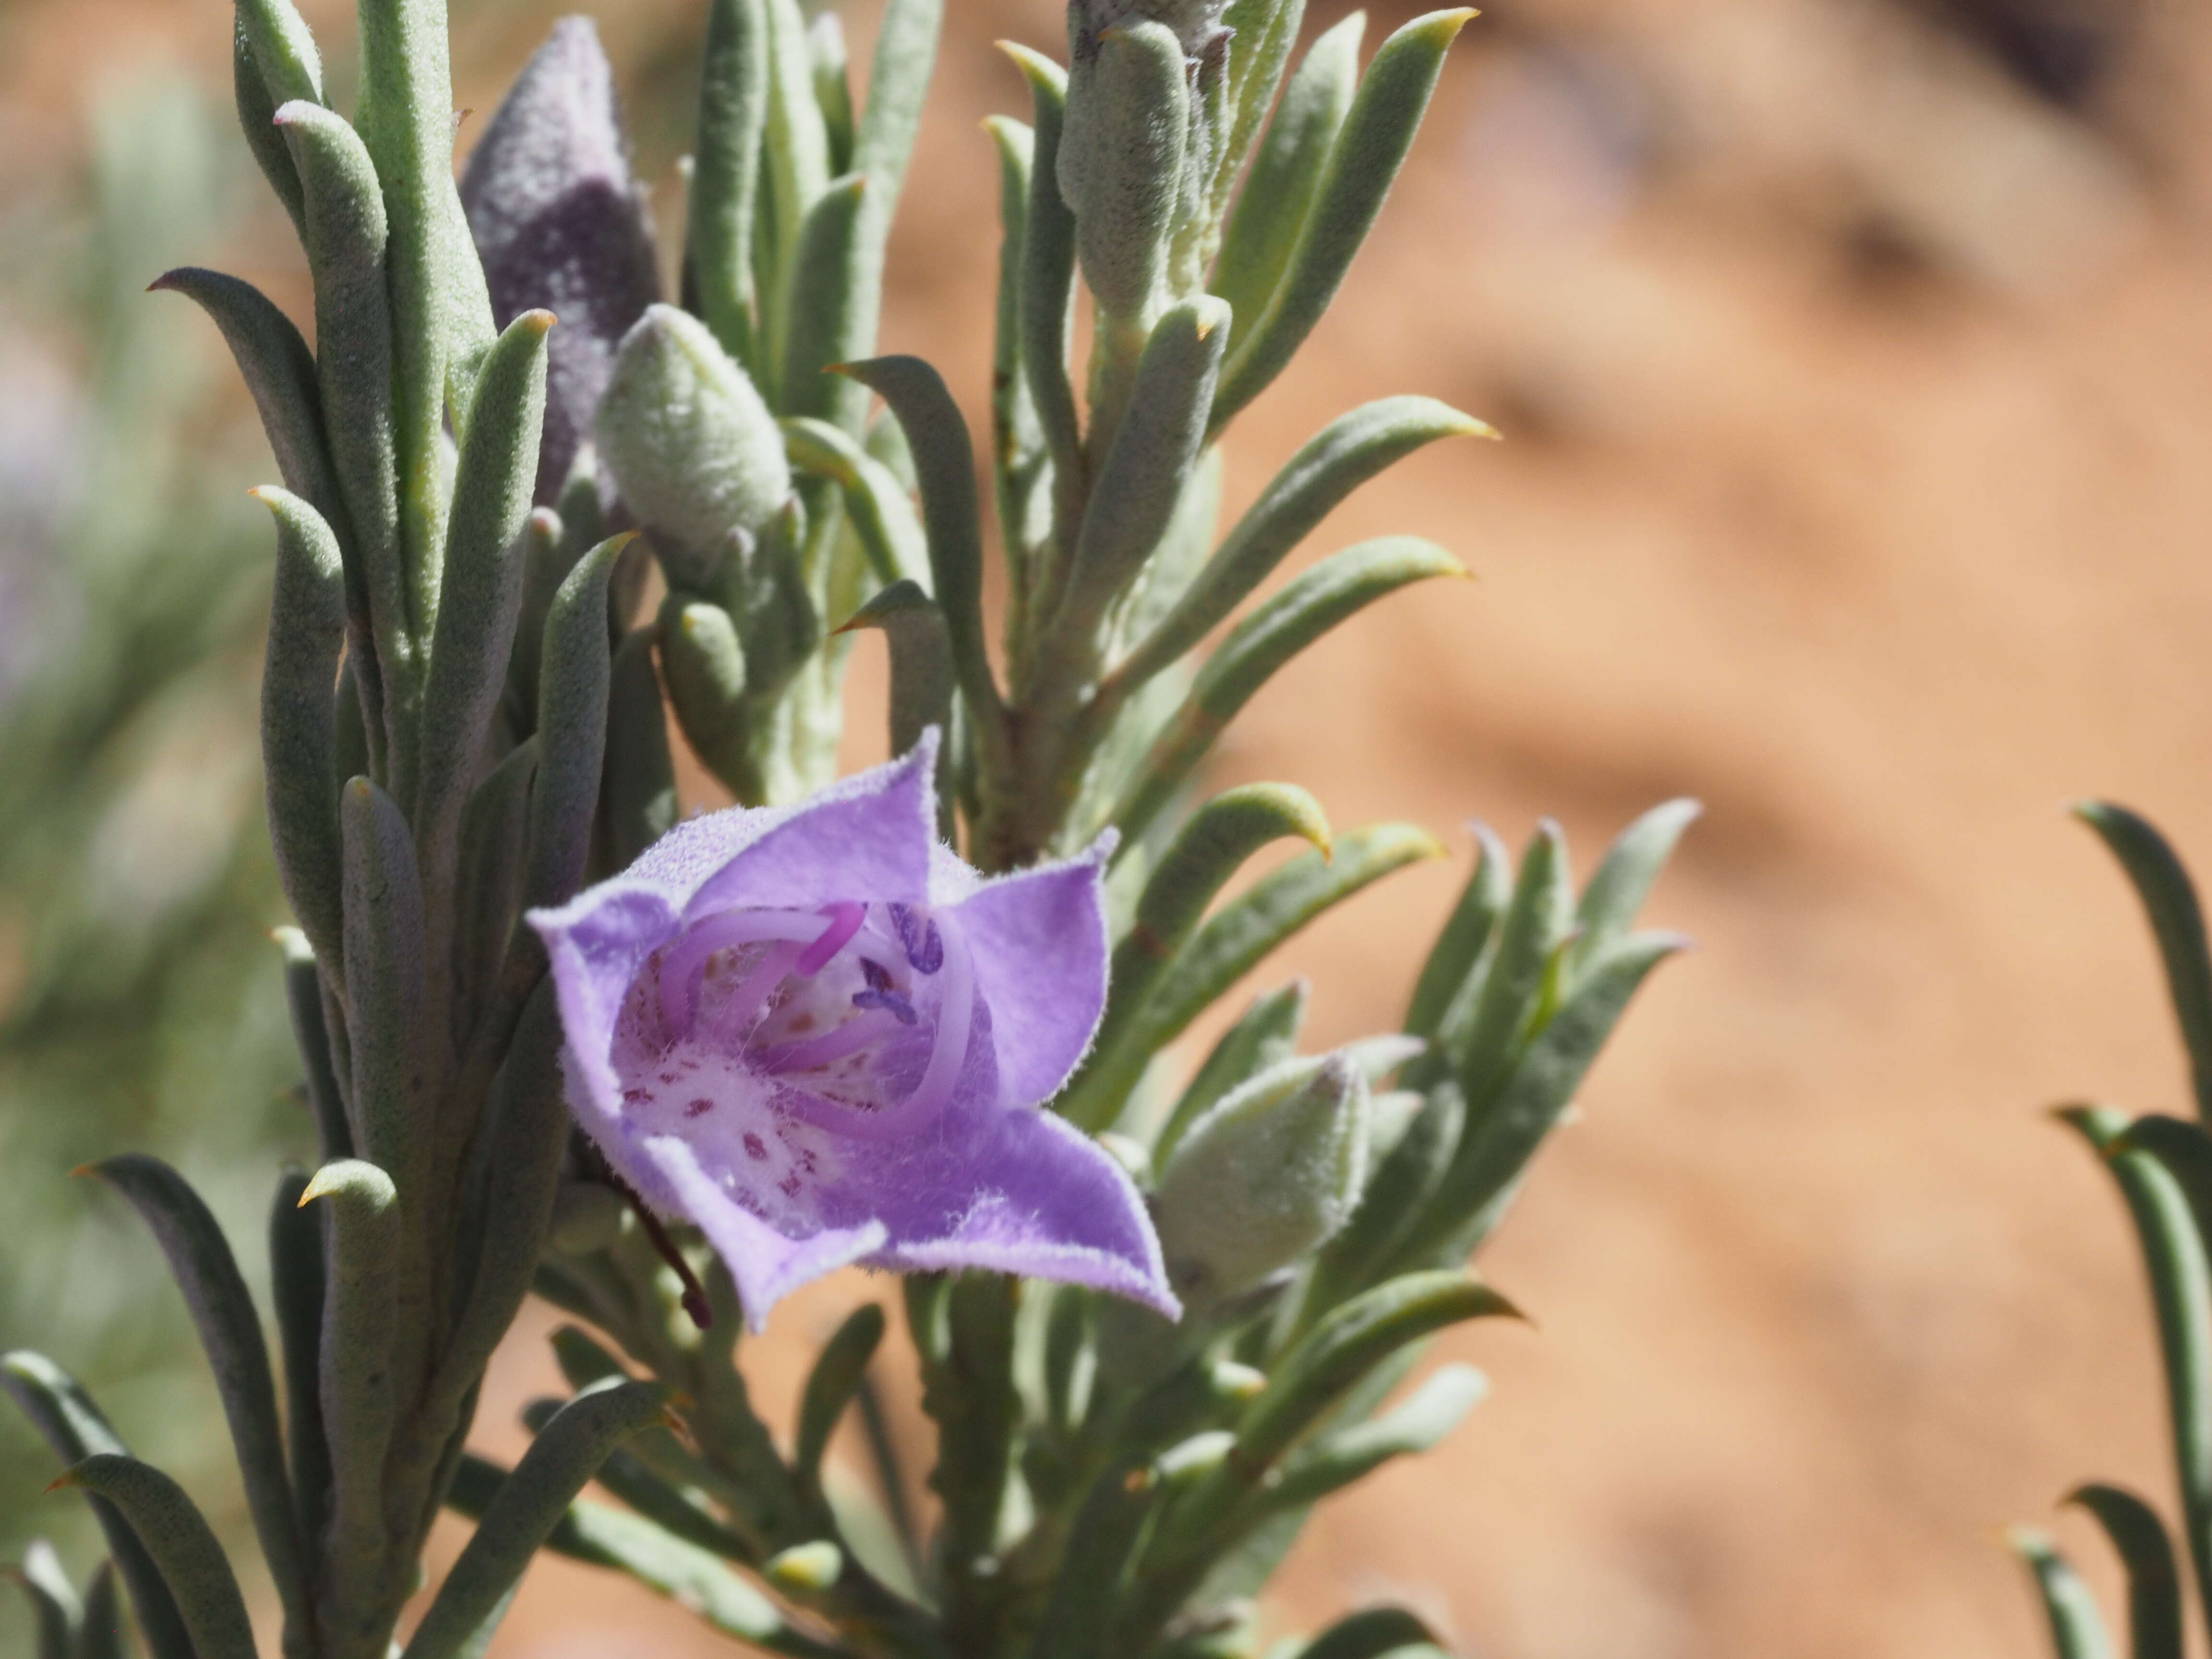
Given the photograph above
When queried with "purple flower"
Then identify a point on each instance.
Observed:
(558, 223)
(819, 1036)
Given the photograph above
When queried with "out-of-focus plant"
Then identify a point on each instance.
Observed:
(2162, 1165)
(135, 887)
(918, 1019)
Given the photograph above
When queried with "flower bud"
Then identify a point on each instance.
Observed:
(560, 225)
(1264, 1177)
(694, 450)
(1196, 23)
(1124, 162)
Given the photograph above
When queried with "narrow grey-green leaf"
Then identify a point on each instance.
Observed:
(1119, 162)
(495, 842)
(797, 158)
(1256, 648)
(481, 597)
(1531, 935)
(2154, 1615)
(257, 118)
(823, 324)
(1335, 1461)
(2077, 1630)
(64, 1415)
(877, 505)
(1230, 945)
(238, 1356)
(1362, 163)
(533, 1500)
(1262, 34)
(1286, 176)
(1142, 477)
(2169, 900)
(100, 1634)
(705, 664)
(922, 661)
(725, 171)
(306, 635)
(1209, 848)
(278, 370)
(637, 790)
(306, 1000)
(441, 313)
(578, 666)
(1617, 891)
(295, 1290)
(386, 990)
(1398, 1196)
(833, 86)
(182, 1546)
(348, 237)
(1047, 281)
(830, 1386)
(945, 461)
(363, 1241)
(1349, 452)
(55, 1607)
(283, 49)
(1468, 932)
(1373, 1634)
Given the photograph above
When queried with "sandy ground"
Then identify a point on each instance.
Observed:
(1855, 397)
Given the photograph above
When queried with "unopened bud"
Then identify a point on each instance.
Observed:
(694, 450)
(1196, 23)
(1123, 160)
(1264, 1177)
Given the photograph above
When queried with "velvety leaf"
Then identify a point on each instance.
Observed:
(637, 790)
(725, 171)
(2169, 900)
(825, 326)
(1334, 1461)
(830, 1386)
(877, 504)
(1266, 1034)
(183, 1547)
(296, 1273)
(571, 728)
(2077, 1630)
(1119, 162)
(2154, 1615)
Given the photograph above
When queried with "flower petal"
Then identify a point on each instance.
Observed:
(597, 942)
(1050, 1203)
(866, 837)
(1039, 942)
(766, 1265)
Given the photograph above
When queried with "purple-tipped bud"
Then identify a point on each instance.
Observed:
(559, 225)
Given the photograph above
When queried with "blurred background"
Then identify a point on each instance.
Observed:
(1855, 358)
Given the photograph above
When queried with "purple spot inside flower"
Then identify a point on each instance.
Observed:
(756, 1148)
(924, 943)
(891, 1002)
(698, 1108)
(877, 975)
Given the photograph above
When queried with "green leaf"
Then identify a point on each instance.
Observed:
(480, 597)
(963, 1328)
(2169, 900)
(2076, 1630)
(63, 1414)
(307, 635)
(1019, 465)
(1108, 1529)
(705, 663)
(1334, 1461)
(347, 240)
(182, 1544)
(1262, 35)
(898, 85)
(531, 1502)
(277, 368)
(571, 728)
(1483, 1045)
(921, 664)
(230, 1334)
(1398, 1196)
(385, 991)
(946, 461)
(797, 157)
(687, 1574)
(1502, 1135)
(441, 312)
(1351, 450)
(1624, 880)
(362, 1244)
(1256, 648)
(495, 836)
(1209, 848)
(831, 1385)
(526, 1130)
(725, 171)
(53, 1599)
(1047, 282)
(2161, 1171)
(100, 1634)
(833, 86)
(1229, 946)
(877, 504)
(283, 49)
(295, 1288)
(1362, 164)
(824, 327)
(1468, 932)
(637, 790)
(1145, 471)
(1286, 175)
(257, 117)
(1265, 1034)
(2154, 1615)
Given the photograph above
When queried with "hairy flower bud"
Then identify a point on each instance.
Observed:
(560, 227)
(1197, 23)
(1264, 1177)
(693, 448)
